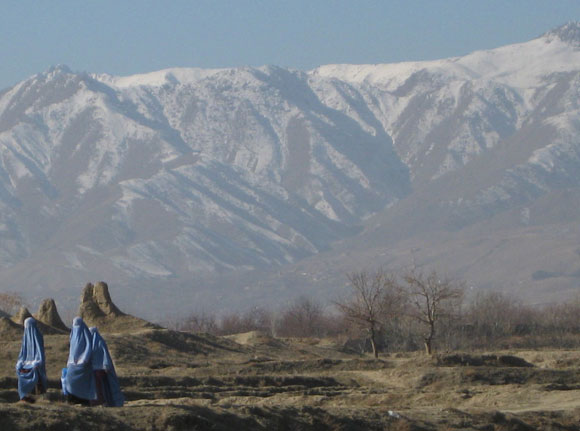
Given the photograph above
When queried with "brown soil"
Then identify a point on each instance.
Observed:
(182, 381)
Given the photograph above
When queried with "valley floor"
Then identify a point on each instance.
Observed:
(181, 381)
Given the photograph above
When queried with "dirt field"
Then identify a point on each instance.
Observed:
(182, 381)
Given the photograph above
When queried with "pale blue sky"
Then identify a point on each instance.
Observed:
(124, 37)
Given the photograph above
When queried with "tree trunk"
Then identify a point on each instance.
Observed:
(374, 344)
(429, 339)
(428, 348)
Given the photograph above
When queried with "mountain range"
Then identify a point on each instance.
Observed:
(193, 189)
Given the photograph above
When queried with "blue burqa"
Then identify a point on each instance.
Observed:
(108, 382)
(79, 380)
(31, 365)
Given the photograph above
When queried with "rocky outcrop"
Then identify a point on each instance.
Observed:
(98, 309)
(48, 314)
(96, 302)
(21, 316)
(42, 320)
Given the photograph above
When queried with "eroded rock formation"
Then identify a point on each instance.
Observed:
(98, 309)
(96, 302)
(48, 314)
(21, 316)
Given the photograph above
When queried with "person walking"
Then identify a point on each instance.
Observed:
(108, 389)
(78, 379)
(31, 363)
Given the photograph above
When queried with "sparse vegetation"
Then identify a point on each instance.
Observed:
(376, 299)
(257, 319)
(307, 380)
(387, 313)
(432, 299)
(303, 318)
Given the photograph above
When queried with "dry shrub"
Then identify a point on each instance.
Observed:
(257, 319)
(196, 322)
(492, 320)
(303, 318)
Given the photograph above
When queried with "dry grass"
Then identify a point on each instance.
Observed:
(181, 381)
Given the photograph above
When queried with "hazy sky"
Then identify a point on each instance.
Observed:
(124, 37)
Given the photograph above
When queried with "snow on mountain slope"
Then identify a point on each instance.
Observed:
(246, 166)
(158, 78)
(443, 114)
(185, 174)
(522, 65)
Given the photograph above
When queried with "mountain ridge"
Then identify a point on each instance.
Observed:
(189, 177)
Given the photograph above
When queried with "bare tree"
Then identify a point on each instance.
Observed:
(564, 316)
(262, 319)
(493, 315)
(432, 299)
(303, 318)
(375, 298)
(199, 322)
(256, 319)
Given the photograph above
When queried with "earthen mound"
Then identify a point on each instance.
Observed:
(48, 314)
(21, 316)
(18, 323)
(9, 330)
(97, 309)
(254, 338)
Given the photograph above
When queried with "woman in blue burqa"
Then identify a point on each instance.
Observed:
(108, 389)
(31, 365)
(78, 379)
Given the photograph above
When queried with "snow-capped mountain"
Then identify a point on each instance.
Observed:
(179, 180)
